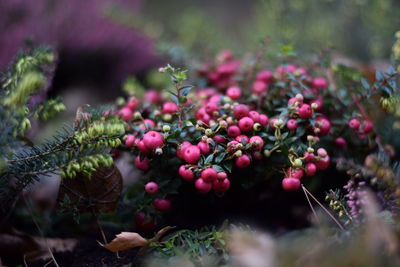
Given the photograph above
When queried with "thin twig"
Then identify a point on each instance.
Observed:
(325, 209)
(309, 203)
(25, 264)
(103, 236)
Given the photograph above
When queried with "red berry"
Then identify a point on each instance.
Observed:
(290, 184)
(153, 140)
(132, 103)
(233, 131)
(142, 148)
(322, 152)
(323, 125)
(149, 123)
(125, 113)
(186, 174)
(130, 140)
(152, 96)
(320, 83)
(234, 93)
(169, 107)
(305, 111)
(242, 137)
(202, 186)
(354, 124)
(311, 169)
(221, 186)
(319, 104)
(257, 155)
(209, 175)
(211, 107)
(254, 115)
(181, 149)
(367, 127)
(240, 111)
(204, 147)
(263, 119)
(341, 142)
(259, 87)
(295, 172)
(162, 204)
(309, 157)
(222, 175)
(246, 124)
(191, 154)
(242, 161)
(323, 163)
(265, 76)
(151, 188)
(142, 164)
(292, 124)
(257, 142)
(143, 225)
(219, 139)
(271, 123)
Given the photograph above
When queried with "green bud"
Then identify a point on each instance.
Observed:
(298, 163)
(166, 128)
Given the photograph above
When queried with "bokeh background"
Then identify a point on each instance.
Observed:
(101, 42)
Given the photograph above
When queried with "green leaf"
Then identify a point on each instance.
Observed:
(185, 90)
(220, 157)
(217, 168)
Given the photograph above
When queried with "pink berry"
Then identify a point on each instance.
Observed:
(204, 147)
(142, 164)
(241, 137)
(257, 142)
(265, 76)
(292, 124)
(211, 107)
(149, 123)
(169, 108)
(322, 152)
(234, 93)
(290, 184)
(162, 204)
(323, 163)
(153, 140)
(367, 127)
(319, 104)
(259, 87)
(152, 96)
(254, 115)
(305, 111)
(130, 140)
(222, 175)
(209, 175)
(221, 186)
(295, 172)
(186, 174)
(233, 131)
(240, 111)
(181, 149)
(263, 119)
(319, 83)
(271, 123)
(341, 142)
(354, 124)
(246, 124)
(219, 139)
(132, 104)
(309, 157)
(242, 161)
(151, 188)
(311, 169)
(323, 125)
(142, 148)
(191, 154)
(202, 186)
(125, 113)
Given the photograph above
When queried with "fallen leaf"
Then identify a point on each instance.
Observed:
(101, 191)
(125, 240)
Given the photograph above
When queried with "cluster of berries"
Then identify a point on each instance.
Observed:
(233, 125)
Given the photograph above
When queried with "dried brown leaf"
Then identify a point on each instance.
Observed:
(124, 241)
(102, 190)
